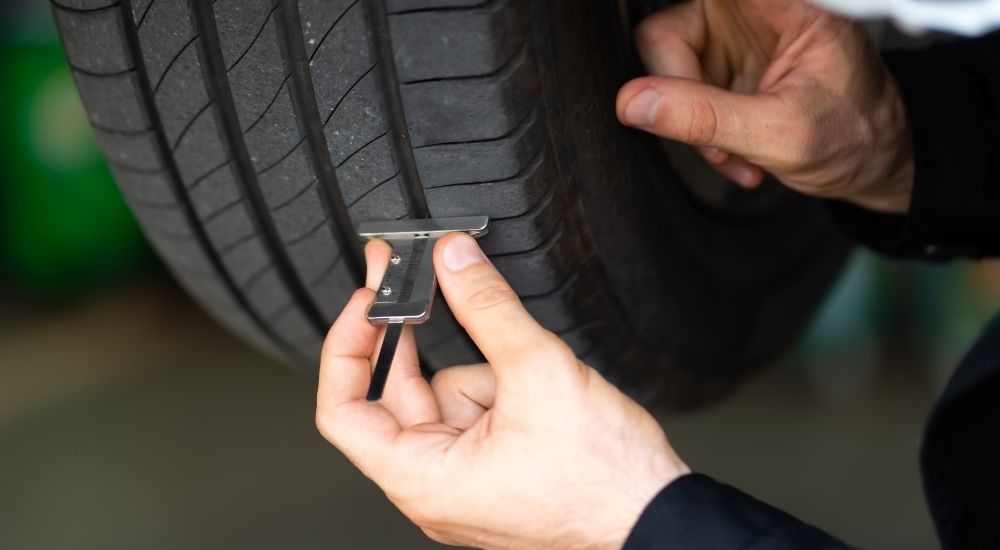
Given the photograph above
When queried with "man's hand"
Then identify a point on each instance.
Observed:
(776, 85)
(533, 450)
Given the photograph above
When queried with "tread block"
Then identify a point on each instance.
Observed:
(457, 44)
(165, 33)
(138, 153)
(113, 101)
(256, 77)
(301, 216)
(286, 179)
(341, 60)
(93, 40)
(315, 254)
(182, 95)
(329, 290)
(384, 202)
(544, 269)
(247, 261)
(230, 226)
(169, 222)
(318, 18)
(139, 9)
(498, 200)
(200, 151)
(298, 331)
(185, 258)
(448, 164)
(276, 135)
(358, 120)
(239, 22)
(512, 235)
(367, 169)
(216, 192)
(559, 310)
(153, 188)
(475, 109)
(269, 294)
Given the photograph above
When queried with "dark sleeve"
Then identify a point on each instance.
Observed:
(696, 512)
(952, 97)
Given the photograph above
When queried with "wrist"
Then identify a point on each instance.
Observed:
(890, 188)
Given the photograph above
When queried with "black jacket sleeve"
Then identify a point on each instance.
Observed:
(697, 512)
(952, 97)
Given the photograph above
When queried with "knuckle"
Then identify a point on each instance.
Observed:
(492, 297)
(702, 123)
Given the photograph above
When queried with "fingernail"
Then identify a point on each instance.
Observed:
(643, 108)
(462, 252)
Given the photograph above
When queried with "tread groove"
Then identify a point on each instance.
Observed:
(213, 65)
(307, 110)
(185, 202)
(411, 186)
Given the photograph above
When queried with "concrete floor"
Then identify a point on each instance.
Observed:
(131, 421)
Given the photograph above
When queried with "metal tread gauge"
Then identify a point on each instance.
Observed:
(407, 290)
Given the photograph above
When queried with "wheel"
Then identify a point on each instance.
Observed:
(251, 137)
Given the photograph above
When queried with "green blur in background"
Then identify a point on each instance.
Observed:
(64, 227)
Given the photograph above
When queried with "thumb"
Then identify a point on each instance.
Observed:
(488, 308)
(705, 115)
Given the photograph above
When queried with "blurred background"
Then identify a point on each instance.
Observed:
(128, 419)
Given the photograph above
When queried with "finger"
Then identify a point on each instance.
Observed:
(377, 253)
(670, 42)
(741, 172)
(358, 428)
(407, 394)
(488, 309)
(756, 127)
(464, 393)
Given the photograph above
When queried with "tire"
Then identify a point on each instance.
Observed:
(250, 137)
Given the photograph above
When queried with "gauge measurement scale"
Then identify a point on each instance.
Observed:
(406, 293)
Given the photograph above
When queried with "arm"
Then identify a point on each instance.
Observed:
(701, 513)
